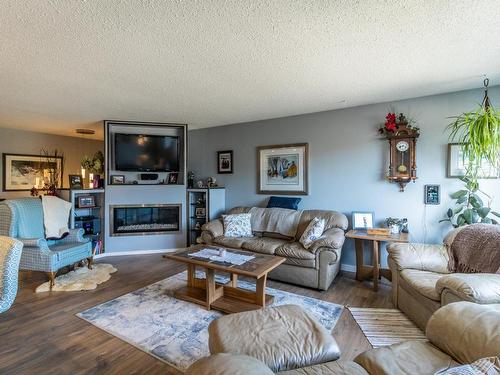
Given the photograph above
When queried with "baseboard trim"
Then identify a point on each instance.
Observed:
(134, 252)
(348, 267)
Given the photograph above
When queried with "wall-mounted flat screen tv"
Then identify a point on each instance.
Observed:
(147, 153)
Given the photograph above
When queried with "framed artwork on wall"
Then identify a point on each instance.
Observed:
(23, 172)
(432, 194)
(458, 161)
(225, 162)
(282, 169)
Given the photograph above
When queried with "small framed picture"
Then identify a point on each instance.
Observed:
(117, 179)
(225, 161)
(432, 194)
(199, 212)
(362, 220)
(75, 181)
(86, 201)
(173, 177)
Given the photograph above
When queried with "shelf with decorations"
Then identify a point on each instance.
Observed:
(203, 205)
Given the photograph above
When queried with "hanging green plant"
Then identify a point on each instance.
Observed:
(479, 132)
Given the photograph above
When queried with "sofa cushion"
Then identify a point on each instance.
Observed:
(284, 337)
(408, 357)
(233, 242)
(309, 263)
(329, 368)
(474, 287)
(263, 245)
(424, 282)
(466, 330)
(294, 250)
(228, 364)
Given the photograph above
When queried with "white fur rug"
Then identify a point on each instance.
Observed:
(80, 279)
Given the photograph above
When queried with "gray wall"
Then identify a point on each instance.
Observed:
(348, 160)
(25, 142)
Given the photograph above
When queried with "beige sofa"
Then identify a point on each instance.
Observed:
(277, 231)
(421, 282)
(458, 334)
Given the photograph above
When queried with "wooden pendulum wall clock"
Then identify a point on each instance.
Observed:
(402, 152)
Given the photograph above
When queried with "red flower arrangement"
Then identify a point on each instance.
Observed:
(390, 122)
(393, 122)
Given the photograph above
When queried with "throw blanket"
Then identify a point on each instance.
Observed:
(475, 249)
(275, 220)
(55, 217)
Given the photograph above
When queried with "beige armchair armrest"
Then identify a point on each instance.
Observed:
(466, 331)
(332, 238)
(211, 230)
(483, 288)
(419, 256)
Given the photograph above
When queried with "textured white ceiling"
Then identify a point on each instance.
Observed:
(66, 63)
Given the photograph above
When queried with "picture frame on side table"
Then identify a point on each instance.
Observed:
(75, 181)
(22, 172)
(362, 220)
(283, 169)
(458, 161)
(86, 201)
(432, 194)
(117, 179)
(225, 162)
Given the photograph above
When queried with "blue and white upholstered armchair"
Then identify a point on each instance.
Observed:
(10, 255)
(23, 219)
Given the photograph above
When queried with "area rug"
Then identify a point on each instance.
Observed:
(383, 327)
(80, 279)
(175, 331)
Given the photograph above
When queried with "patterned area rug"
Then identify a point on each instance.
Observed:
(383, 327)
(175, 331)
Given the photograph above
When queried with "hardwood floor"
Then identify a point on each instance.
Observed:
(40, 334)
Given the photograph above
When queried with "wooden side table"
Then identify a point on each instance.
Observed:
(364, 271)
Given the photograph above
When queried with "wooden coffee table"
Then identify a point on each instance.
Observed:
(225, 297)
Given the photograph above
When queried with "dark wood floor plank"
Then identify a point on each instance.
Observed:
(41, 334)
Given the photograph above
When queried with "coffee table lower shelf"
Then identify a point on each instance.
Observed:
(228, 302)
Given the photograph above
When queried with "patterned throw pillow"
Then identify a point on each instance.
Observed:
(313, 231)
(484, 366)
(237, 225)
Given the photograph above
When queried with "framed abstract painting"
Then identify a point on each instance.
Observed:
(282, 169)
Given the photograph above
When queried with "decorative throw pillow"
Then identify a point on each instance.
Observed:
(485, 366)
(313, 231)
(237, 225)
(284, 202)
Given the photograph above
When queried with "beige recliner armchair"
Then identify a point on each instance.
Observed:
(421, 282)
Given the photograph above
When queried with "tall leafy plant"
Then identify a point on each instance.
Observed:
(479, 133)
(469, 207)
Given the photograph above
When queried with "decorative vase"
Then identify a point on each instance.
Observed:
(394, 229)
(95, 181)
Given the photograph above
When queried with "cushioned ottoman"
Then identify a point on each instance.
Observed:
(283, 337)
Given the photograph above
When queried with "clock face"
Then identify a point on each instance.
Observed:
(402, 146)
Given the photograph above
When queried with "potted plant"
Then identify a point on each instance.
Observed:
(479, 133)
(95, 166)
